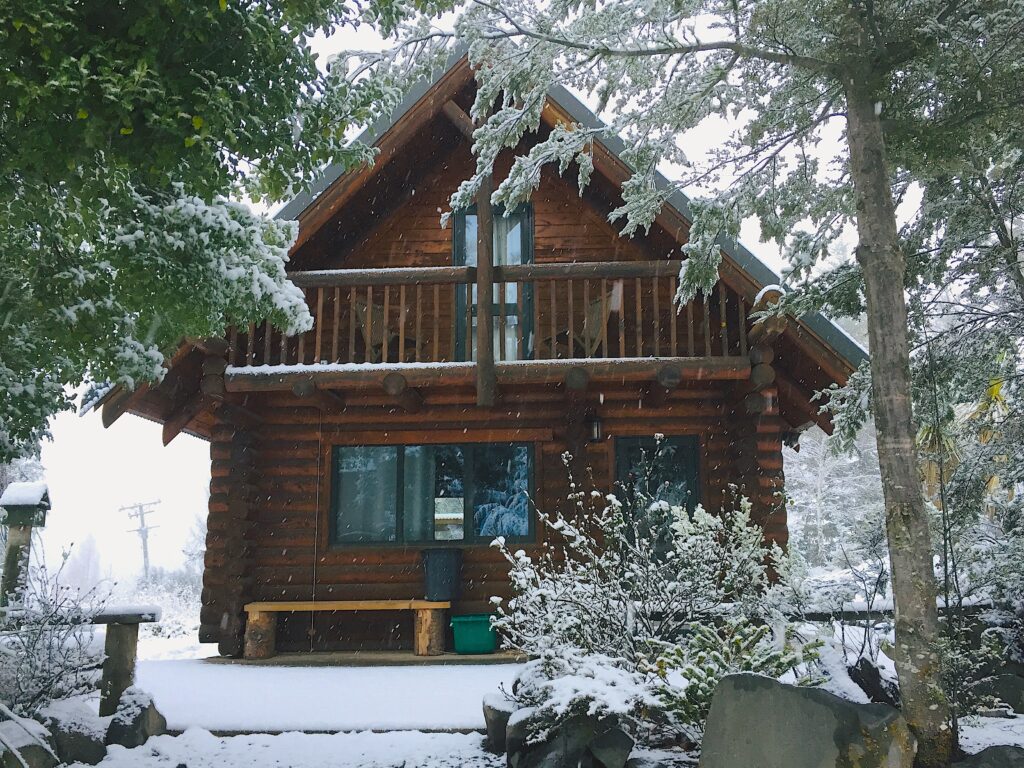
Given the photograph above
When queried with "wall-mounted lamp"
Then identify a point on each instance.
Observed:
(595, 433)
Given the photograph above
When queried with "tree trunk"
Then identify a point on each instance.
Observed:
(910, 551)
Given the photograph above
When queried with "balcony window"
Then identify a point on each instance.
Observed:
(513, 245)
(416, 494)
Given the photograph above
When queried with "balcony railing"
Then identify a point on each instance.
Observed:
(563, 311)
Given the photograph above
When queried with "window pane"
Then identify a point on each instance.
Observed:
(669, 475)
(501, 488)
(367, 478)
(434, 497)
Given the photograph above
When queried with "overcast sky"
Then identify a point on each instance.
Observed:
(93, 472)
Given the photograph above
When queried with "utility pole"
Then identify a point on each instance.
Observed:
(139, 512)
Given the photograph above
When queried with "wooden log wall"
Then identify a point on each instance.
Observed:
(269, 526)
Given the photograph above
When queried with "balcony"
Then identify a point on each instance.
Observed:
(549, 323)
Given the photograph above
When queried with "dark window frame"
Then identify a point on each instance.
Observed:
(470, 538)
(463, 292)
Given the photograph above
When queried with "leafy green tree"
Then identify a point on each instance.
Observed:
(900, 89)
(125, 127)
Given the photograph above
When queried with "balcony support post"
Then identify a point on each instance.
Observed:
(485, 376)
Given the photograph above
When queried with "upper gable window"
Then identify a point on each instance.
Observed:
(513, 245)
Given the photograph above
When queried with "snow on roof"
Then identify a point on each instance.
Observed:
(24, 495)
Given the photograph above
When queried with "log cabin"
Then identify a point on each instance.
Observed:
(413, 417)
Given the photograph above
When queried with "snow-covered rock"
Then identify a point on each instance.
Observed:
(579, 740)
(498, 709)
(994, 757)
(136, 720)
(25, 743)
(755, 720)
(78, 732)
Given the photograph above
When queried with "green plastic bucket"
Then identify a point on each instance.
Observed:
(473, 634)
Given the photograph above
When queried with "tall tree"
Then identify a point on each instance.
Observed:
(894, 87)
(124, 128)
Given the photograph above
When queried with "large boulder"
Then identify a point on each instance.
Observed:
(78, 732)
(1009, 689)
(25, 742)
(497, 710)
(757, 721)
(135, 720)
(994, 757)
(581, 740)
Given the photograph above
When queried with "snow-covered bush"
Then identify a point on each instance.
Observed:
(632, 597)
(46, 644)
(617, 575)
(690, 671)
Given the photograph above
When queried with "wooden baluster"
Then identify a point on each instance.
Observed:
(499, 354)
(402, 311)
(318, 321)
(673, 316)
(368, 325)
(455, 324)
(622, 319)
(268, 333)
(538, 353)
(707, 323)
(723, 314)
(657, 316)
(572, 320)
(284, 349)
(419, 321)
(387, 325)
(233, 345)
(639, 319)
(468, 354)
(554, 320)
(352, 324)
(250, 342)
(742, 311)
(300, 351)
(604, 317)
(437, 331)
(689, 328)
(337, 324)
(520, 352)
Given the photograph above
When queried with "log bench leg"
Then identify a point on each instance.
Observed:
(260, 635)
(429, 632)
(120, 648)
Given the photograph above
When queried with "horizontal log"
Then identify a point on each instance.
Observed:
(394, 276)
(611, 270)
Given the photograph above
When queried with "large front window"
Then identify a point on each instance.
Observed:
(431, 493)
(665, 469)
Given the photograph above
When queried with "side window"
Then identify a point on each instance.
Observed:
(669, 472)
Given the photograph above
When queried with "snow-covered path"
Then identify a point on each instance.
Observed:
(409, 749)
(227, 697)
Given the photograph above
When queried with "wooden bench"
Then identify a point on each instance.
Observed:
(261, 622)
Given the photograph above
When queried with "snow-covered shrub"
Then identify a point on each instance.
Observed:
(626, 593)
(46, 648)
(690, 671)
(617, 575)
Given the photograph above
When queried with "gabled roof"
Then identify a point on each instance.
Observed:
(748, 265)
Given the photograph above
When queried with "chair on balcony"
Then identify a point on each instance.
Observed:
(373, 325)
(595, 321)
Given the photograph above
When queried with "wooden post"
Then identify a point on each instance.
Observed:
(485, 377)
(16, 557)
(119, 665)
(428, 632)
(260, 635)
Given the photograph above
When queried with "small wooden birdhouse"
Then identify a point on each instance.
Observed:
(25, 504)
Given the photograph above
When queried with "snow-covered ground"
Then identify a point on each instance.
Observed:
(197, 748)
(235, 697)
